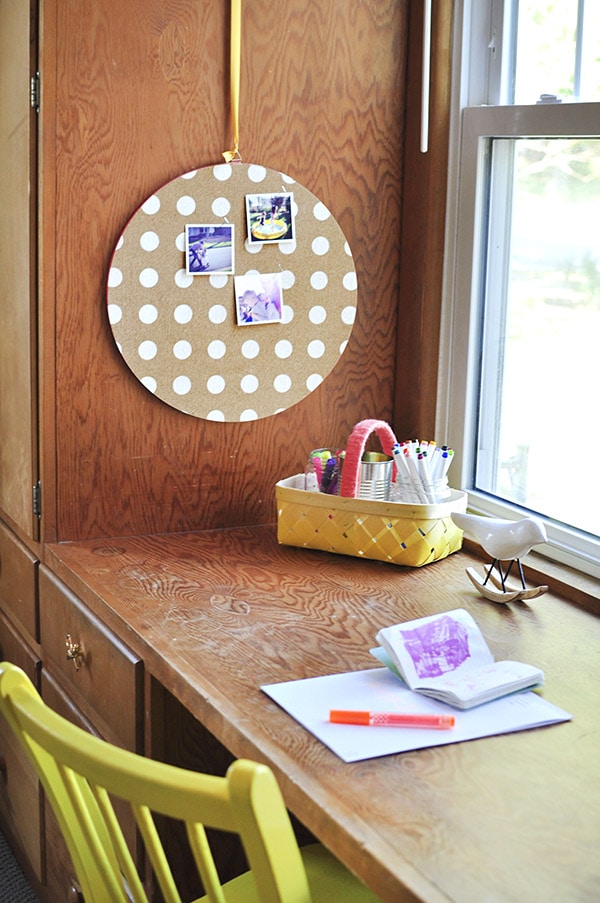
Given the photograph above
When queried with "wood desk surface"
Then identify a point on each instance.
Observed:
(217, 614)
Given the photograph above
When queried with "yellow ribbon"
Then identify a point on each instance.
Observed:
(234, 77)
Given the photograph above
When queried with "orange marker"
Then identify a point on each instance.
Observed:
(391, 719)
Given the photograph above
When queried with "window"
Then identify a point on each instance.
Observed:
(521, 329)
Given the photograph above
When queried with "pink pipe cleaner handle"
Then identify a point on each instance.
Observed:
(355, 449)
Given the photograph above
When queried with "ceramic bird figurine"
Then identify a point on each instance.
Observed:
(502, 540)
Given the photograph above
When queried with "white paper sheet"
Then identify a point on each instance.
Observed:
(378, 690)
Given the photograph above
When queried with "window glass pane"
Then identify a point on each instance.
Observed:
(558, 50)
(539, 423)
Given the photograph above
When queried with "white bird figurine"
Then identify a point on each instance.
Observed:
(503, 540)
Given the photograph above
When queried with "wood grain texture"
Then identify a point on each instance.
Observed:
(423, 219)
(18, 395)
(142, 95)
(215, 615)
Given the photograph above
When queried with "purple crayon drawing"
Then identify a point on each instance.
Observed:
(437, 647)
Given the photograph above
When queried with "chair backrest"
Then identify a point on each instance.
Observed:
(81, 774)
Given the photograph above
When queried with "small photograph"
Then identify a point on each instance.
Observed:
(208, 249)
(258, 298)
(270, 217)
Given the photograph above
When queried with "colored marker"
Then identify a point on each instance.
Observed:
(391, 719)
(327, 474)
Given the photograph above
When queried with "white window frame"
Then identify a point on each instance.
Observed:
(472, 125)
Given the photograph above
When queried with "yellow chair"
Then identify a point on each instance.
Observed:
(81, 773)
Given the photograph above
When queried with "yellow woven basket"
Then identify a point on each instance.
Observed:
(400, 533)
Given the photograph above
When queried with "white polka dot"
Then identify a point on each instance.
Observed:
(318, 280)
(183, 313)
(186, 205)
(183, 279)
(217, 314)
(287, 313)
(252, 247)
(222, 172)
(182, 385)
(314, 380)
(287, 179)
(248, 414)
(349, 281)
(316, 349)
(148, 277)
(256, 173)
(149, 382)
(321, 212)
(152, 205)
(249, 384)
(282, 383)
(317, 314)
(180, 242)
(250, 349)
(216, 415)
(147, 350)
(120, 243)
(148, 313)
(216, 350)
(320, 245)
(287, 279)
(283, 349)
(221, 207)
(215, 385)
(347, 249)
(287, 247)
(149, 241)
(115, 314)
(218, 281)
(349, 315)
(115, 277)
(343, 346)
(182, 350)
(190, 174)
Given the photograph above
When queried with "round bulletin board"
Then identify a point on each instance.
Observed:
(179, 329)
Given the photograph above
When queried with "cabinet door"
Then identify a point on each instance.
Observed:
(18, 355)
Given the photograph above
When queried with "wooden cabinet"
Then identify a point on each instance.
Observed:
(20, 797)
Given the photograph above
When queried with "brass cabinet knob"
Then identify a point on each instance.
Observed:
(75, 652)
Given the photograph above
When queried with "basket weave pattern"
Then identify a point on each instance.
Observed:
(404, 534)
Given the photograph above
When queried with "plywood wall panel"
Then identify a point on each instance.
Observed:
(142, 96)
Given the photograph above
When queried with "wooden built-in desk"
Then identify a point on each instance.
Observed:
(215, 615)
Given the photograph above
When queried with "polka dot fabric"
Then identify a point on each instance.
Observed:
(178, 333)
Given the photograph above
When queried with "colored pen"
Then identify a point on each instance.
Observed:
(391, 719)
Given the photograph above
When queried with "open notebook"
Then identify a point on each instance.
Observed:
(446, 657)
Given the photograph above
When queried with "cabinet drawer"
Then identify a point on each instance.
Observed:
(20, 799)
(105, 681)
(17, 581)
